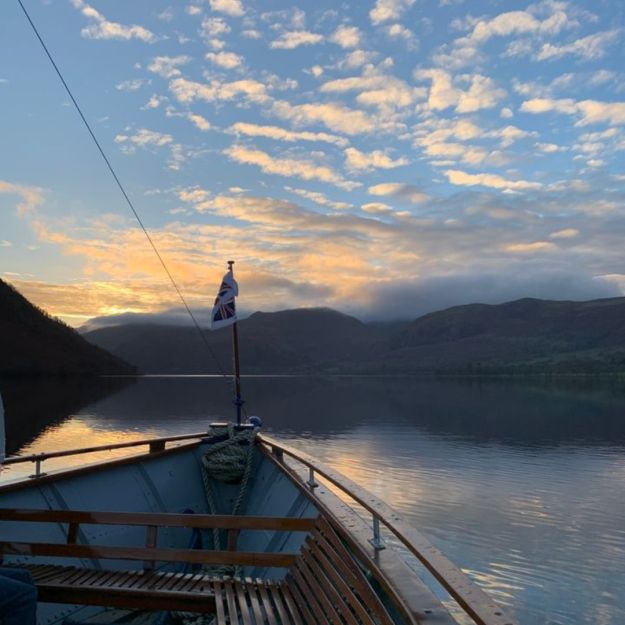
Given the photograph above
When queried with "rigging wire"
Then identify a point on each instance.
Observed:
(126, 197)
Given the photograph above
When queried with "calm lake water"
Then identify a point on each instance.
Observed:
(522, 484)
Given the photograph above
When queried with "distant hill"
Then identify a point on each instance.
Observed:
(524, 336)
(33, 343)
(281, 342)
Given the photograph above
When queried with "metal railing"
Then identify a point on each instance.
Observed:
(154, 445)
(471, 598)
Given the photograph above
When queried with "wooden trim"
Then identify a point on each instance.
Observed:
(121, 598)
(415, 602)
(159, 519)
(155, 444)
(473, 600)
(62, 474)
(192, 556)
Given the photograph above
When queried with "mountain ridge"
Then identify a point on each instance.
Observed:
(34, 343)
(522, 336)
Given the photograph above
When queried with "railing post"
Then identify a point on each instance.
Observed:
(311, 478)
(37, 472)
(376, 541)
(278, 453)
(157, 446)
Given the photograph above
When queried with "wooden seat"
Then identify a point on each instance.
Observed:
(329, 586)
(124, 589)
(232, 600)
(323, 584)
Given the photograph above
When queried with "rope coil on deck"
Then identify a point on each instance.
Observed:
(228, 461)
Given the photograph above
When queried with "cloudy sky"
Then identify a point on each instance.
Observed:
(383, 157)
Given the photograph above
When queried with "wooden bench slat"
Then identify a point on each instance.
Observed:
(250, 586)
(299, 599)
(266, 602)
(317, 589)
(274, 591)
(219, 606)
(341, 585)
(231, 602)
(241, 591)
(193, 556)
(291, 605)
(329, 541)
(179, 581)
(330, 591)
(199, 582)
(305, 590)
(159, 519)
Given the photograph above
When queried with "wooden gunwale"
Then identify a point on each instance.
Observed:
(155, 442)
(61, 474)
(472, 599)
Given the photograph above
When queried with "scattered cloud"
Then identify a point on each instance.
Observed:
(30, 197)
(399, 190)
(588, 48)
(367, 161)
(132, 85)
(295, 39)
(466, 50)
(168, 66)
(376, 208)
(386, 10)
(227, 60)
(565, 233)
(346, 36)
(187, 91)
(336, 117)
(375, 90)
(200, 122)
(588, 111)
(101, 28)
(319, 198)
(445, 92)
(357, 58)
(281, 134)
(530, 248)
(400, 32)
(493, 181)
(300, 168)
(229, 7)
(144, 138)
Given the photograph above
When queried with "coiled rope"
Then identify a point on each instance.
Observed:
(229, 461)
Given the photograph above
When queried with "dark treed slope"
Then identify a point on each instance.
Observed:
(32, 343)
(522, 336)
(527, 334)
(282, 342)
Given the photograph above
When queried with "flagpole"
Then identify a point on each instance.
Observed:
(238, 402)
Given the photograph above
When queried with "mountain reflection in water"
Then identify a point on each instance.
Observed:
(520, 483)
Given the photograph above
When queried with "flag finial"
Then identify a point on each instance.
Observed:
(230, 263)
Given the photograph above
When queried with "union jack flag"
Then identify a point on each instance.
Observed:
(224, 309)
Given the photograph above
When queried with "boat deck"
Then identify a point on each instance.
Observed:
(297, 552)
(324, 585)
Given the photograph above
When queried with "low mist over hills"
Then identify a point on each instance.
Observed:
(527, 335)
(32, 343)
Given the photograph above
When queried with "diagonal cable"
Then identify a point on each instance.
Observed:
(121, 188)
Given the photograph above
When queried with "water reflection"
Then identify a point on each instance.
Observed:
(514, 413)
(523, 485)
(33, 405)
